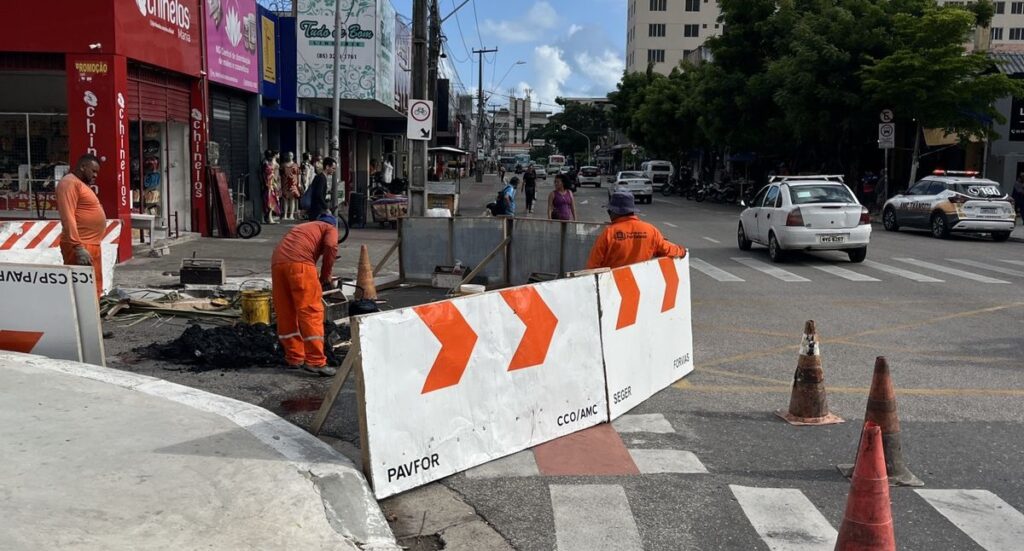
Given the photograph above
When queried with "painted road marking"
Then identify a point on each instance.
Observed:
(1017, 262)
(518, 464)
(594, 451)
(901, 272)
(711, 271)
(710, 239)
(988, 520)
(643, 422)
(670, 224)
(785, 519)
(983, 266)
(667, 461)
(842, 272)
(593, 516)
(777, 273)
(950, 271)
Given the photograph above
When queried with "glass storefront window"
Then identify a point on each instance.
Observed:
(33, 158)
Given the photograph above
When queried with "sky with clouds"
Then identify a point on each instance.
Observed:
(571, 47)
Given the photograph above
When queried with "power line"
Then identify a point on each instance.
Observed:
(478, 35)
(462, 35)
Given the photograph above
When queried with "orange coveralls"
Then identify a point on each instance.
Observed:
(628, 240)
(83, 223)
(297, 293)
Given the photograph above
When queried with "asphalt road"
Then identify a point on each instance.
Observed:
(948, 315)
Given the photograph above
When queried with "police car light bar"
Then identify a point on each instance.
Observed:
(940, 172)
(826, 177)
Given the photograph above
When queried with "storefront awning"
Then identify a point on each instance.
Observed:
(277, 113)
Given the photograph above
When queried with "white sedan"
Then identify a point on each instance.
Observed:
(634, 182)
(806, 213)
(542, 173)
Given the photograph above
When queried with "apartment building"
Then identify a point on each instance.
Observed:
(1006, 33)
(664, 32)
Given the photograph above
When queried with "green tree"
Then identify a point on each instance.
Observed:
(540, 153)
(591, 120)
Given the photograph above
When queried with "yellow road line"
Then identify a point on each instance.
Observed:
(735, 389)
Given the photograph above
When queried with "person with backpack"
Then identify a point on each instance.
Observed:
(314, 199)
(505, 203)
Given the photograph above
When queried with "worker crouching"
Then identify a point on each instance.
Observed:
(298, 292)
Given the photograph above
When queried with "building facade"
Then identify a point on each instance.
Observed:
(662, 33)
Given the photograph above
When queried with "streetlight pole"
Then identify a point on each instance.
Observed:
(336, 107)
(478, 135)
(567, 127)
(503, 77)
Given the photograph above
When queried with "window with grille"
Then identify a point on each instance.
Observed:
(692, 5)
(656, 29)
(997, 33)
(1017, 7)
(655, 56)
(1017, 33)
(1000, 8)
(658, 5)
(691, 31)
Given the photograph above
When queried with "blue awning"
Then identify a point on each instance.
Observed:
(277, 113)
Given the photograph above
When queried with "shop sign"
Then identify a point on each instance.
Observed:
(197, 160)
(385, 71)
(164, 33)
(231, 37)
(360, 34)
(269, 50)
(1017, 120)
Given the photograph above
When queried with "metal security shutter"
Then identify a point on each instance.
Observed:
(157, 96)
(229, 122)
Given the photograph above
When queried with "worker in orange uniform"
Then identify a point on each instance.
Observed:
(298, 292)
(628, 240)
(82, 219)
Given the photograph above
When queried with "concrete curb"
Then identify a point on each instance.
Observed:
(349, 504)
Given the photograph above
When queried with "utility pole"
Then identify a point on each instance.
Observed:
(478, 135)
(336, 110)
(419, 91)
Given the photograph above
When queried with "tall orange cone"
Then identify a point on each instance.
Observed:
(867, 523)
(808, 404)
(365, 288)
(881, 410)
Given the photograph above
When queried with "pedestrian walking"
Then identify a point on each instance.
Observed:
(82, 219)
(561, 203)
(530, 188)
(298, 292)
(628, 240)
(318, 190)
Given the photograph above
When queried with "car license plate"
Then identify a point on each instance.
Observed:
(988, 210)
(832, 238)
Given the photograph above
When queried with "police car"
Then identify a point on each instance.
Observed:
(949, 201)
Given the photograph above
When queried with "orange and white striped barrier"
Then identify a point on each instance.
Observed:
(38, 242)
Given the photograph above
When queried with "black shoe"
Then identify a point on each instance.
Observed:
(323, 371)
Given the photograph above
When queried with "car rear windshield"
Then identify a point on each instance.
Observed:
(625, 175)
(589, 172)
(660, 168)
(809, 194)
(981, 189)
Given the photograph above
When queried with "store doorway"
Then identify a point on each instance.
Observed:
(178, 191)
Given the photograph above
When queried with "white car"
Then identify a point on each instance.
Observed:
(635, 183)
(952, 202)
(589, 175)
(816, 213)
(542, 173)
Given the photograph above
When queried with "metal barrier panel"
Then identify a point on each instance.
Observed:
(473, 239)
(425, 244)
(578, 239)
(536, 247)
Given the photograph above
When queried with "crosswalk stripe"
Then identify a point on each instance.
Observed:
(711, 239)
(711, 271)
(643, 422)
(785, 519)
(670, 224)
(1017, 262)
(667, 461)
(518, 464)
(842, 272)
(901, 272)
(983, 516)
(983, 266)
(951, 271)
(593, 516)
(777, 273)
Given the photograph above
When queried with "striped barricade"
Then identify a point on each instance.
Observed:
(38, 242)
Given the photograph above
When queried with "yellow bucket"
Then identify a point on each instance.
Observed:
(256, 307)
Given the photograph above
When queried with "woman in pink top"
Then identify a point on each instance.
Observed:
(561, 204)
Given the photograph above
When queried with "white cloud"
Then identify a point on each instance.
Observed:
(604, 70)
(552, 73)
(574, 28)
(539, 18)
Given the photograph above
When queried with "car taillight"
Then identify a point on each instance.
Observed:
(795, 218)
(958, 199)
(865, 216)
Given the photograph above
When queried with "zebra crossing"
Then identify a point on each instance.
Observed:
(601, 515)
(740, 269)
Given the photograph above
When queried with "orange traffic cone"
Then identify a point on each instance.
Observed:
(365, 288)
(882, 411)
(867, 523)
(808, 404)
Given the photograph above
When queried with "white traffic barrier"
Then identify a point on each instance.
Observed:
(646, 329)
(38, 242)
(51, 311)
(450, 385)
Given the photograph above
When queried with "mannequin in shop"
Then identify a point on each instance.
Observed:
(292, 189)
(271, 187)
(308, 171)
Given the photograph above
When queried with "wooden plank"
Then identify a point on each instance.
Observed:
(483, 263)
(387, 256)
(332, 393)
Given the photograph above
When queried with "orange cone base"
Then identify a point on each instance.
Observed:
(903, 479)
(830, 419)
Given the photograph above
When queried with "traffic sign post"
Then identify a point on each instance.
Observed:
(886, 135)
(420, 120)
(886, 115)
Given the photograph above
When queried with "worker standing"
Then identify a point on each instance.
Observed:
(297, 290)
(82, 219)
(628, 240)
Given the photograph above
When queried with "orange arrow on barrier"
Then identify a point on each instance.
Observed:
(457, 341)
(540, 323)
(630, 293)
(19, 341)
(668, 271)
